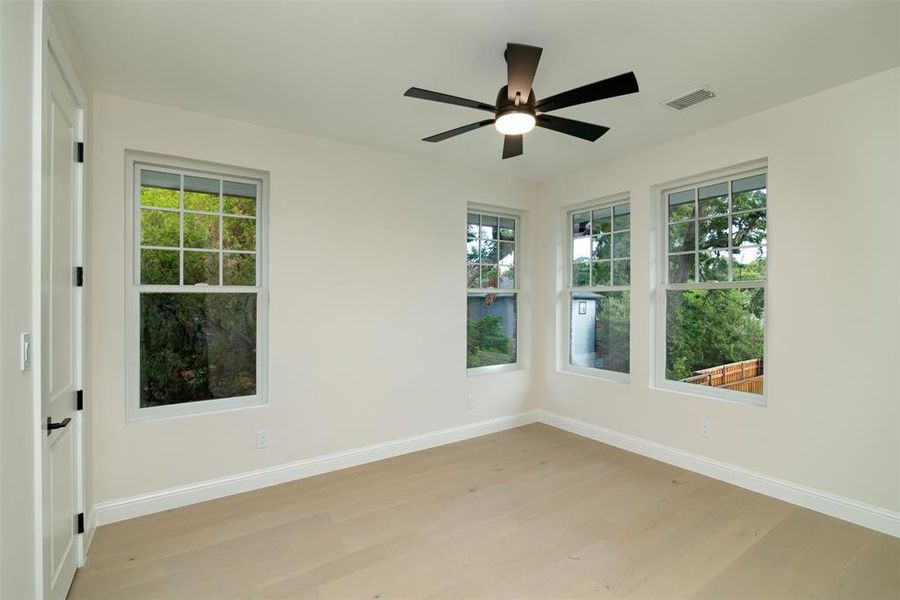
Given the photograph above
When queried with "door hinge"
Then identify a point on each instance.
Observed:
(80, 520)
(79, 152)
(79, 276)
(79, 400)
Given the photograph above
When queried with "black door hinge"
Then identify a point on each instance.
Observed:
(80, 523)
(79, 152)
(79, 276)
(79, 400)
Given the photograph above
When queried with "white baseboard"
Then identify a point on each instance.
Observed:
(866, 515)
(153, 502)
(860, 513)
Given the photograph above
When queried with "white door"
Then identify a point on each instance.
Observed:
(59, 330)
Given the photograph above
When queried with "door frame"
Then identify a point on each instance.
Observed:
(52, 48)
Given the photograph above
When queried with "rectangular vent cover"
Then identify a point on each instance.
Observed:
(692, 98)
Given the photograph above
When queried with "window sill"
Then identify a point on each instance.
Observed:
(199, 408)
(601, 374)
(688, 389)
(492, 369)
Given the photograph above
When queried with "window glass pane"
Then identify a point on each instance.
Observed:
(159, 267)
(160, 189)
(599, 331)
(489, 227)
(716, 190)
(581, 224)
(473, 254)
(748, 263)
(622, 245)
(622, 217)
(491, 330)
(600, 272)
(489, 252)
(473, 227)
(490, 276)
(507, 253)
(239, 234)
(749, 228)
(748, 193)
(507, 277)
(201, 193)
(713, 232)
(473, 276)
(239, 198)
(715, 338)
(235, 205)
(581, 248)
(681, 206)
(749, 200)
(756, 182)
(681, 268)
(239, 269)
(201, 231)
(507, 229)
(681, 237)
(196, 347)
(713, 199)
(602, 246)
(581, 274)
(159, 228)
(714, 265)
(601, 221)
(201, 267)
(621, 272)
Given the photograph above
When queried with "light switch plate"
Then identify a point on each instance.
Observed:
(25, 351)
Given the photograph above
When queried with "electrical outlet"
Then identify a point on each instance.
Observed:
(705, 429)
(262, 439)
(470, 400)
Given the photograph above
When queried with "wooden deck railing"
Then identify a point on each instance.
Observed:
(745, 376)
(754, 385)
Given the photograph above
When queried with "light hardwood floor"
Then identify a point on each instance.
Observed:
(533, 512)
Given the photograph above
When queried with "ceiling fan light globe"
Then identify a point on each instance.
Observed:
(514, 123)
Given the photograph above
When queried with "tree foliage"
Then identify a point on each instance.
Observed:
(487, 343)
(707, 328)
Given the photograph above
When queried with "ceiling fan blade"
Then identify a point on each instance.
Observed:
(579, 129)
(512, 146)
(415, 92)
(521, 65)
(440, 137)
(626, 83)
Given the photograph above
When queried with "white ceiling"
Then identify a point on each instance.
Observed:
(338, 70)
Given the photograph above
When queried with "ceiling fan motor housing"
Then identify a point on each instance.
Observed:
(504, 105)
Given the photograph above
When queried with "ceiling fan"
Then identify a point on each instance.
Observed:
(517, 112)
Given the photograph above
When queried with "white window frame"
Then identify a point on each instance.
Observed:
(514, 291)
(661, 209)
(569, 290)
(135, 161)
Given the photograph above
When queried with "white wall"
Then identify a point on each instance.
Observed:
(833, 415)
(19, 425)
(367, 340)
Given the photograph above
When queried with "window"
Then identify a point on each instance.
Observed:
(197, 298)
(599, 291)
(491, 305)
(713, 305)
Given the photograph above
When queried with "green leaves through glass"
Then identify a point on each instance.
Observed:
(490, 330)
(715, 338)
(196, 347)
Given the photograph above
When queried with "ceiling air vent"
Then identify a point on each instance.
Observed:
(692, 98)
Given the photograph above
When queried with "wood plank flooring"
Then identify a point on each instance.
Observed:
(533, 512)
